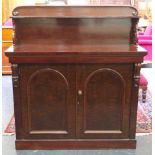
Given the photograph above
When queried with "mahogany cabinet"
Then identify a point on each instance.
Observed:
(75, 78)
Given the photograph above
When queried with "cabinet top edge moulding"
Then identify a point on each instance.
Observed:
(75, 11)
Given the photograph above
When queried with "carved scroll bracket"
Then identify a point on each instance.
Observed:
(133, 32)
(15, 75)
(137, 74)
(14, 33)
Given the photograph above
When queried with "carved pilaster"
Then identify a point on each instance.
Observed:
(137, 74)
(133, 32)
(14, 33)
(15, 75)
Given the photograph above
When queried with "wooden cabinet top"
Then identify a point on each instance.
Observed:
(75, 54)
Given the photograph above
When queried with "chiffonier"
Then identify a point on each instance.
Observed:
(75, 73)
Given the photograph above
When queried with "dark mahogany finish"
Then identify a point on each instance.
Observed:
(104, 108)
(75, 77)
(48, 95)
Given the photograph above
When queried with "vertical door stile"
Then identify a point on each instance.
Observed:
(78, 104)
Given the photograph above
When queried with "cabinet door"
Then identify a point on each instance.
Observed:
(104, 100)
(47, 101)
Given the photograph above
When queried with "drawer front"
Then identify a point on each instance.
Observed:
(47, 101)
(104, 101)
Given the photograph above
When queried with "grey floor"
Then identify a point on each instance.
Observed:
(144, 143)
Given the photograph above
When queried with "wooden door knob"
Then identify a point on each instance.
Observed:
(79, 92)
